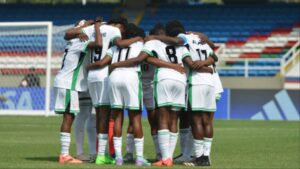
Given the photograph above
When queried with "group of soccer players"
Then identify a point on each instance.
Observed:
(171, 72)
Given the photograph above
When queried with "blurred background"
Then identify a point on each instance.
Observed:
(257, 44)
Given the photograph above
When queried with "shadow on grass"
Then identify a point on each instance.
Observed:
(42, 158)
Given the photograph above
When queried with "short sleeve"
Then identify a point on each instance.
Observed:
(110, 52)
(185, 53)
(209, 50)
(148, 47)
(115, 35)
(183, 36)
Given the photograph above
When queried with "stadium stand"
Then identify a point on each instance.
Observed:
(252, 35)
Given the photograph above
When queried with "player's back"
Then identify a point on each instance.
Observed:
(199, 51)
(122, 54)
(167, 53)
(109, 33)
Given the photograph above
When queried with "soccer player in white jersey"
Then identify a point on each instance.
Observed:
(125, 94)
(169, 92)
(190, 41)
(70, 80)
(85, 117)
(148, 100)
(98, 81)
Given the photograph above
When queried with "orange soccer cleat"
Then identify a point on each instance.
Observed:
(68, 159)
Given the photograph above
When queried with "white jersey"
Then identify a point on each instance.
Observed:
(198, 51)
(109, 34)
(167, 53)
(73, 73)
(122, 54)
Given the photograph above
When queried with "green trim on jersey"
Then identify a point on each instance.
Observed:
(101, 104)
(76, 71)
(116, 106)
(114, 38)
(133, 108)
(140, 92)
(109, 54)
(190, 87)
(185, 55)
(67, 98)
(148, 52)
(203, 109)
(172, 104)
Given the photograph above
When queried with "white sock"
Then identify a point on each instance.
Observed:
(199, 147)
(65, 140)
(163, 141)
(155, 142)
(80, 120)
(129, 143)
(118, 146)
(139, 146)
(207, 145)
(172, 143)
(189, 149)
(92, 133)
(102, 142)
(184, 140)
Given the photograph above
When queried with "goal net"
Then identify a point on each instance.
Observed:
(30, 55)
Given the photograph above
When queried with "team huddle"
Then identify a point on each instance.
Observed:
(170, 72)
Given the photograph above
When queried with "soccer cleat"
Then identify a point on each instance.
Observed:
(167, 163)
(128, 157)
(205, 161)
(200, 161)
(141, 161)
(93, 158)
(83, 157)
(63, 159)
(182, 158)
(119, 161)
(104, 159)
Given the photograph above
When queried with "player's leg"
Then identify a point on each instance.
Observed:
(99, 94)
(92, 134)
(153, 121)
(133, 96)
(129, 143)
(173, 124)
(80, 121)
(67, 104)
(118, 123)
(186, 138)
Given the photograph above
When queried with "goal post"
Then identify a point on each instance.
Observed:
(26, 52)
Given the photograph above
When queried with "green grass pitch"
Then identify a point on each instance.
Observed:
(33, 142)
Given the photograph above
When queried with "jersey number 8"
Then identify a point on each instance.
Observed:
(171, 52)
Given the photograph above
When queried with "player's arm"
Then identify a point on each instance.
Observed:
(168, 39)
(76, 32)
(196, 66)
(204, 38)
(100, 64)
(124, 43)
(98, 40)
(211, 60)
(130, 62)
(160, 63)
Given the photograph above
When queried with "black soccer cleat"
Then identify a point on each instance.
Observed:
(205, 161)
(194, 162)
